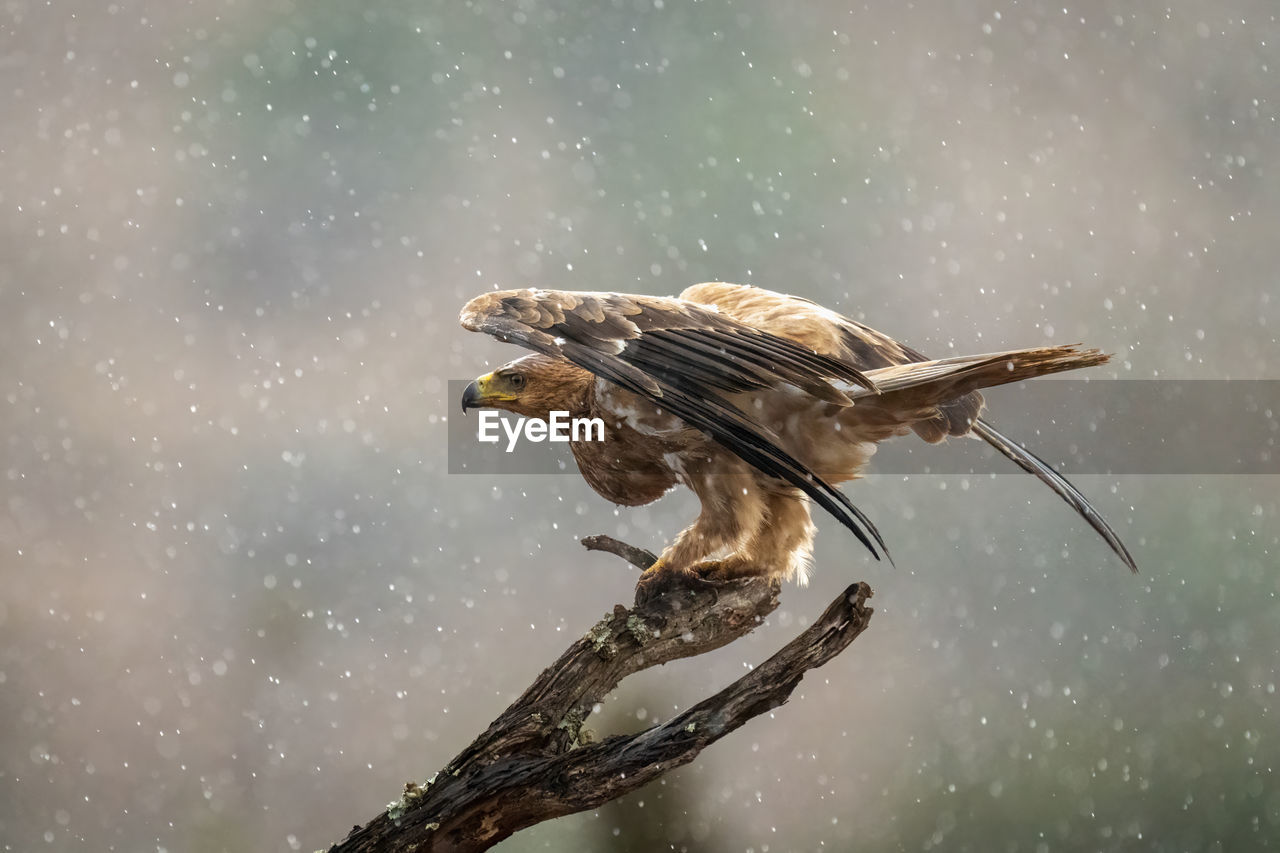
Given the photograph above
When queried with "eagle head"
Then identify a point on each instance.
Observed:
(532, 386)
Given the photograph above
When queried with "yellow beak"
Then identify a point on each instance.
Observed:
(481, 392)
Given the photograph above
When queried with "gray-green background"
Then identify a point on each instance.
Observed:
(243, 600)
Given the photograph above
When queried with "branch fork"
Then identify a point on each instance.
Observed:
(536, 761)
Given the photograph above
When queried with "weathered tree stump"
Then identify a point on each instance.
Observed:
(533, 763)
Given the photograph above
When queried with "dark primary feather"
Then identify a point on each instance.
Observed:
(1061, 486)
(870, 349)
(752, 443)
(683, 358)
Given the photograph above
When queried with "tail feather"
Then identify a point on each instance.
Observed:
(936, 382)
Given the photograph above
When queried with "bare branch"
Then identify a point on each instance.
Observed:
(638, 557)
(532, 763)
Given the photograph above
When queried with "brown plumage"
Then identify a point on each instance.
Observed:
(757, 401)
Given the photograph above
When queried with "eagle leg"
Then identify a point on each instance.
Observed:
(780, 546)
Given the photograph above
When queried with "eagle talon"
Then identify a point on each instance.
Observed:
(660, 579)
(707, 570)
(721, 572)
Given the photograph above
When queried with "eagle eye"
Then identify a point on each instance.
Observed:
(517, 381)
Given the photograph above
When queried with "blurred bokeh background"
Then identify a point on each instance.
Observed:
(242, 599)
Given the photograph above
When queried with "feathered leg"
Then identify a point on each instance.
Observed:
(733, 511)
(781, 546)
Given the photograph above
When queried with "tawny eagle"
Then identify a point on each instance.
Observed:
(757, 401)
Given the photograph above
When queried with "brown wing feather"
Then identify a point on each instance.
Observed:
(834, 335)
(684, 358)
(661, 333)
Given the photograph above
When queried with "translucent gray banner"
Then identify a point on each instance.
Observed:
(1127, 426)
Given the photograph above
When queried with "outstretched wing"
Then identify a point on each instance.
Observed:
(862, 346)
(685, 358)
